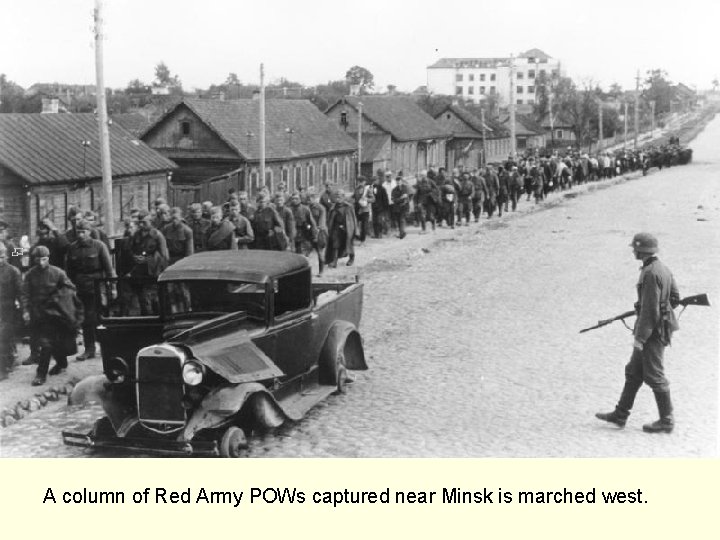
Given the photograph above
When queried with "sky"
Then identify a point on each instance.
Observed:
(314, 41)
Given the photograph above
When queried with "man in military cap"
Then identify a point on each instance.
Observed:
(10, 297)
(178, 236)
(199, 225)
(87, 259)
(50, 307)
(657, 296)
(49, 237)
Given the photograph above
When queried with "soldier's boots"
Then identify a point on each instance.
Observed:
(617, 417)
(666, 422)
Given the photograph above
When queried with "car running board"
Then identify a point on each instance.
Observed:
(298, 404)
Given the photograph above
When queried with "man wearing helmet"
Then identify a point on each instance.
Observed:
(657, 296)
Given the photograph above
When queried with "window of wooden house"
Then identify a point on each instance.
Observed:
(185, 128)
(285, 177)
(269, 180)
(335, 171)
(298, 178)
(255, 178)
(344, 119)
(311, 174)
(346, 170)
(324, 173)
(559, 134)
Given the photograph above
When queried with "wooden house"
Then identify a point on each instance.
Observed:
(396, 133)
(465, 148)
(51, 162)
(216, 145)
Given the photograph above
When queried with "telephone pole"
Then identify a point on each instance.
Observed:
(359, 142)
(600, 124)
(484, 147)
(262, 125)
(108, 213)
(513, 142)
(637, 108)
(625, 122)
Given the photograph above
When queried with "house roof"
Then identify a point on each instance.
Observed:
(445, 63)
(559, 121)
(312, 132)
(47, 148)
(372, 145)
(493, 130)
(399, 116)
(134, 122)
(524, 126)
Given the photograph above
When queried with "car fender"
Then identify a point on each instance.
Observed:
(342, 339)
(224, 402)
(118, 407)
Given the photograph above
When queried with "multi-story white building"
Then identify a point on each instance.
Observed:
(476, 78)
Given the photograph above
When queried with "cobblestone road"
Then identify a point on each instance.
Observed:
(474, 349)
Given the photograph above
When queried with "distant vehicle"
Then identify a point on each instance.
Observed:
(234, 341)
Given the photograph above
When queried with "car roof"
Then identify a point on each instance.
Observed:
(254, 266)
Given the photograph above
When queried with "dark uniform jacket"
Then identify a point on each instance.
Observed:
(305, 225)
(265, 221)
(244, 234)
(153, 247)
(39, 285)
(85, 261)
(199, 227)
(179, 239)
(342, 225)
(220, 236)
(10, 293)
(288, 220)
(657, 295)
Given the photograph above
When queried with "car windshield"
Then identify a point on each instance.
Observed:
(213, 298)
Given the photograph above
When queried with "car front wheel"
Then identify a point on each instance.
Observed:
(233, 442)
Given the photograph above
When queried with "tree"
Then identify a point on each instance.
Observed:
(163, 77)
(232, 80)
(615, 91)
(12, 98)
(358, 76)
(658, 89)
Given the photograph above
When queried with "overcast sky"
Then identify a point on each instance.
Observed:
(313, 41)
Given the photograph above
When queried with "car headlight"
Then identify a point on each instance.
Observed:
(192, 373)
(117, 370)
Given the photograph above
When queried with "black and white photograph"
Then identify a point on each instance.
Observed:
(331, 229)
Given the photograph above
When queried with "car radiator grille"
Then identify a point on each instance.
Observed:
(160, 391)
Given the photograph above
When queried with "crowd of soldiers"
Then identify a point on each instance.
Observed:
(56, 295)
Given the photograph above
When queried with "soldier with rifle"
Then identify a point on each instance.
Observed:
(657, 296)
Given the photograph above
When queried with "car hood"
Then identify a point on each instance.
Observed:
(235, 357)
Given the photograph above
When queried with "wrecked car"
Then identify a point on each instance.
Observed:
(223, 343)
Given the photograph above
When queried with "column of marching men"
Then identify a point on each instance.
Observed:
(51, 286)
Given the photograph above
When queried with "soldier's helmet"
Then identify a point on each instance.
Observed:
(644, 243)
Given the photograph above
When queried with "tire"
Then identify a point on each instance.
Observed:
(233, 442)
